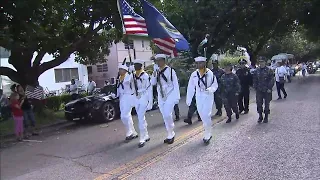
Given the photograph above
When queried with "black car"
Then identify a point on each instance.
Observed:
(96, 108)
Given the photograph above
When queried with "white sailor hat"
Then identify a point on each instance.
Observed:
(200, 59)
(138, 61)
(160, 56)
(123, 66)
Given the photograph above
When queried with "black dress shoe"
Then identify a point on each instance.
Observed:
(246, 112)
(240, 111)
(219, 113)
(188, 121)
(199, 120)
(129, 138)
(279, 98)
(285, 96)
(169, 141)
(265, 119)
(260, 118)
(229, 120)
(207, 141)
(147, 139)
(237, 116)
(141, 144)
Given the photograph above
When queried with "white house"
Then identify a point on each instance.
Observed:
(108, 70)
(56, 78)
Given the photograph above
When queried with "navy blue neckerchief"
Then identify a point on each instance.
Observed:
(139, 78)
(202, 79)
(161, 73)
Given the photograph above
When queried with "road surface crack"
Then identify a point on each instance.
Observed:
(73, 160)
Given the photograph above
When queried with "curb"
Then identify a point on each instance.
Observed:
(60, 122)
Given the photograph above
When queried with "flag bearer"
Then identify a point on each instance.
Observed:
(168, 93)
(203, 84)
(263, 82)
(126, 97)
(245, 81)
(230, 89)
(141, 84)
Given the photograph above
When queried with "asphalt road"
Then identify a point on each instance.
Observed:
(288, 147)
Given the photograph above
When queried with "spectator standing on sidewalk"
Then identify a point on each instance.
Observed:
(28, 115)
(91, 86)
(280, 75)
(73, 90)
(17, 113)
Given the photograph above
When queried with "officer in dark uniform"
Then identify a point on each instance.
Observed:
(218, 72)
(245, 78)
(192, 109)
(230, 89)
(263, 82)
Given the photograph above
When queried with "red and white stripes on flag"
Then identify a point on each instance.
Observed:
(135, 25)
(34, 92)
(167, 45)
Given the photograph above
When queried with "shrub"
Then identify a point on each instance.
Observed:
(229, 59)
(54, 103)
(65, 98)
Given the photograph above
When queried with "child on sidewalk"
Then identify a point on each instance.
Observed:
(17, 114)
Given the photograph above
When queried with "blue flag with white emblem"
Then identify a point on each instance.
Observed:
(159, 27)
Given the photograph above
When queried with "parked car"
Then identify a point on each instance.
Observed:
(96, 108)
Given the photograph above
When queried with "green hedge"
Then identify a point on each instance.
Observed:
(229, 59)
(57, 102)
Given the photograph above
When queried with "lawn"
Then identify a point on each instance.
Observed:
(46, 118)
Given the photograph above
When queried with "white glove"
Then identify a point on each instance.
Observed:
(177, 101)
(131, 68)
(155, 67)
(209, 90)
(113, 96)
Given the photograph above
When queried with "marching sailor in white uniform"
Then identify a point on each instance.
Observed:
(168, 93)
(204, 84)
(126, 97)
(141, 84)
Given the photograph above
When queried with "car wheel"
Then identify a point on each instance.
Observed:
(109, 111)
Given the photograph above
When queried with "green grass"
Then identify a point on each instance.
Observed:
(46, 118)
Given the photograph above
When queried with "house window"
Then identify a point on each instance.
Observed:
(66, 74)
(102, 68)
(113, 80)
(89, 69)
(129, 44)
(142, 43)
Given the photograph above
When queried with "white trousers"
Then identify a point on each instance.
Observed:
(141, 108)
(204, 108)
(125, 113)
(166, 109)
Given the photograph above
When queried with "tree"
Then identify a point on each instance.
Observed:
(60, 28)
(308, 17)
(295, 43)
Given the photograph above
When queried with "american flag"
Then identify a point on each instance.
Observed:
(34, 92)
(167, 45)
(134, 24)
